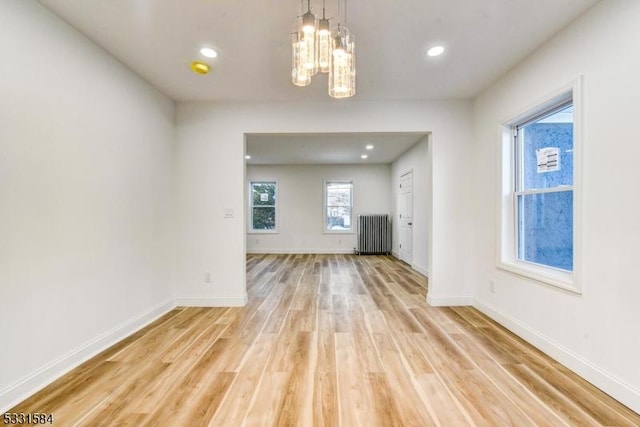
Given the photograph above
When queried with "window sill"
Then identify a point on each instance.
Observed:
(547, 275)
(339, 232)
(262, 232)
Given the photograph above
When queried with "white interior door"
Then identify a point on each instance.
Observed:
(405, 205)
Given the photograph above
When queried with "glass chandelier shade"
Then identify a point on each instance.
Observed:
(342, 72)
(324, 45)
(300, 76)
(307, 37)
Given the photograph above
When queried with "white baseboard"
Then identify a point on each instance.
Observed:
(299, 251)
(602, 379)
(16, 393)
(449, 301)
(231, 301)
(420, 269)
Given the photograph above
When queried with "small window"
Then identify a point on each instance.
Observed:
(263, 206)
(539, 203)
(338, 210)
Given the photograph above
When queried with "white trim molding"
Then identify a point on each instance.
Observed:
(16, 393)
(419, 269)
(227, 301)
(257, 251)
(506, 256)
(449, 301)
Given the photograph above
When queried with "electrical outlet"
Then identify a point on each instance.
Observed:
(492, 286)
(207, 277)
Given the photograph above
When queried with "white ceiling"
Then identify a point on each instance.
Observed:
(158, 39)
(329, 148)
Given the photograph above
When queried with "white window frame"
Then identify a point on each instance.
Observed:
(507, 256)
(250, 228)
(325, 206)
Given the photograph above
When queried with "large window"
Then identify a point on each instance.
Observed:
(263, 206)
(544, 188)
(539, 198)
(338, 206)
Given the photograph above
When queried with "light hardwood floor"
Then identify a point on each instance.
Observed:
(326, 340)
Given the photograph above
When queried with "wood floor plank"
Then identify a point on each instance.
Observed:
(326, 340)
(189, 364)
(418, 363)
(441, 403)
(558, 403)
(325, 392)
(535, 409)
(364, 345)
(189, 403)
(609, 403)
(386, 411)
(238, 399)
(267, 402)
(115, 408)
(488, 405)
(355, 401)
(297, 398)
(410, 403)
(201, 410)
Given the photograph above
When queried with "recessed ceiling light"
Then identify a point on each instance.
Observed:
(364, 156)
(247, 157)
(435, 51)
(208, 52)
(369, 147)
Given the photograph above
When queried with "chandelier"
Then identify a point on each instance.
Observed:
(315, 47)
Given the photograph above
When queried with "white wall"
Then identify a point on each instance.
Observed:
(85, 178)
(417, 160)
(301, 205)
(210, 177)
(595, 333)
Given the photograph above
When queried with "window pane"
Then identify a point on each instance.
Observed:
(339, 194)
(338, 218)
(547, 151)
(264, 193)
(264, 218)
(545, 222)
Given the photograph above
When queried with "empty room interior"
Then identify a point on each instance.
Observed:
(222, 213)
